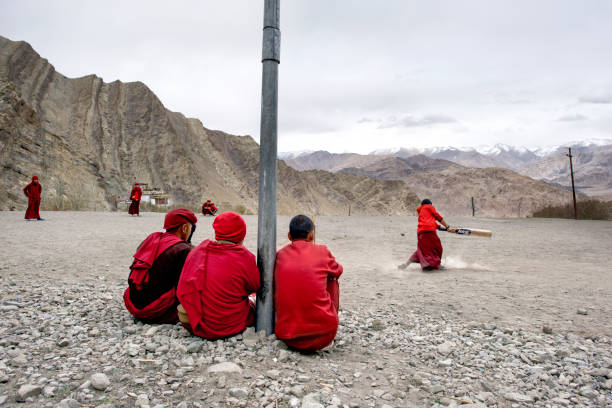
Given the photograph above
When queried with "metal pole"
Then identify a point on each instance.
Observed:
(473, 208)
(266, 221)
(573, 188)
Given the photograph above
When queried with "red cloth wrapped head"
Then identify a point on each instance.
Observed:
(178, 217)
(34, 178)
(229, 226)
(136, 183)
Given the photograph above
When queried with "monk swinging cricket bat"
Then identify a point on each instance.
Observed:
(468, 231)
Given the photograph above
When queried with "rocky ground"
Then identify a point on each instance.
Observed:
(67, 341)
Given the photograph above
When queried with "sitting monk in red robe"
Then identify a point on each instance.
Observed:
(216, 281)
(209, 208)
(33, 192)
(307, 294)
(155, 272)
(429, 247)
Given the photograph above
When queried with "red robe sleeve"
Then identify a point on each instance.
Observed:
(335, 269)
(26, 191)
(252, 280)
(435, 214)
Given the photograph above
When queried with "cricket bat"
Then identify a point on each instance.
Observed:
(469, 231)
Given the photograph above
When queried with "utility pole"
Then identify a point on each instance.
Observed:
(573, 188)
(266, 221)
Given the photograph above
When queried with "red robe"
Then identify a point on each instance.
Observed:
(214, 287)
(135, 196)
(429, 247)
(33, 192)
(209, 208)
(427, 218)
(151, 294)
(429, 250)
(306, 295)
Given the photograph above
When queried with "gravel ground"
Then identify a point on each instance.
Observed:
(522, 319)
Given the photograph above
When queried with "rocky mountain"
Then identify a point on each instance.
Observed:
(592, 169)
(89, 141)
(592, 162)
(497, 192)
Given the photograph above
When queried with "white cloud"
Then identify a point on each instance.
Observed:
(576, 117)
(507, 70)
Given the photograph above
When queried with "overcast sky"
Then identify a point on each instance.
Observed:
(354, 75)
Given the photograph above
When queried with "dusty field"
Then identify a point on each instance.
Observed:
(473, 332)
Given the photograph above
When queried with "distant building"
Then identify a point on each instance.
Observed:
(155, 196)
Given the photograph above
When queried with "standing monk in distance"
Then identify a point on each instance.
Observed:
(135, 196)
(429, 247)
(33, 192)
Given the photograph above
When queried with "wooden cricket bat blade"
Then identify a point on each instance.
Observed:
(473, 231)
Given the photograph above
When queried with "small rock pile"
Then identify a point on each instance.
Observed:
(66, 344)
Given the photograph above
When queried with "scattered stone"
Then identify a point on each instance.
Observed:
(283, 356)
(273, 374)
(20, 360)
(28, 390)
(239, 393)
(150, 332)
(250, 337)
(436, 388)
(297, 390)
(142, 401)
(194, 347)
(517, 397)
(582, 312)
(63, 343)
(561, 401)
(445, 363)
(68, 403)
(221, 381)
(547, 329)
(312, 400)
(100, 381)
(187, 362)
(445, 348)
(225, 367)
(589, 392)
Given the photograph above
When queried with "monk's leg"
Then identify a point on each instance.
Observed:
(37, 209)
(333, 288)
(430, 249)
(30, 211)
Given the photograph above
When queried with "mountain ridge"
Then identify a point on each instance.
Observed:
(592, 162)
(89, 141)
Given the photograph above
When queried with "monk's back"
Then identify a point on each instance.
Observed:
(303, 303)
(215, 284)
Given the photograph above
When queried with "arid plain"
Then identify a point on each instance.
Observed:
(407, 338)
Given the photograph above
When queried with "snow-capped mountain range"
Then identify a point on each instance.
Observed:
(495, 150)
